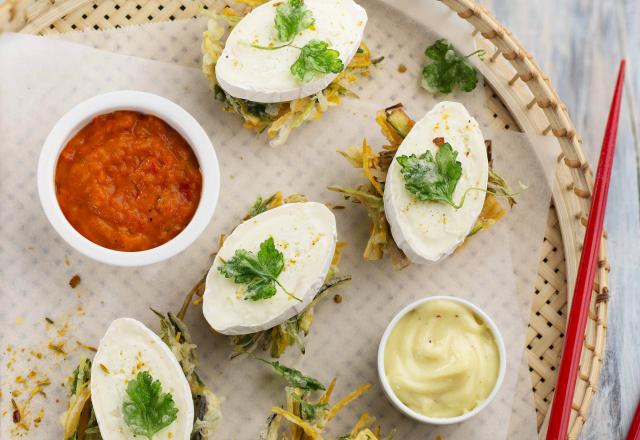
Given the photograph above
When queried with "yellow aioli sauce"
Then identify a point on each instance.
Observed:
(441, 359)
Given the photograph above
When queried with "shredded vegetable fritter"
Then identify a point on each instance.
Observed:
(79, 420)
(206, 405)
(396, 125)
(307, 412)
(277, 119)
(292, 332)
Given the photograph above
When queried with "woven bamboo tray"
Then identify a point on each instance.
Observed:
(521, 98)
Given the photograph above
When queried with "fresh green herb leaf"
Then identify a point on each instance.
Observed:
(258, 271)
(435, 180)
(292, 17)
(432, 179)
(448, 69)
(146, 408)
(259, 206)
(294, 377)
(309, 411)
(316, 57)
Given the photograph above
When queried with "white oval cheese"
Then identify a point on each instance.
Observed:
(127, 348)
(306, 234)
(265, 75)
(429, 231)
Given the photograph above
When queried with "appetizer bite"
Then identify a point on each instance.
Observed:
(431, 188)
(270, 273)
(307, 416)
(141, 384)
(281, 63)
(441, 360)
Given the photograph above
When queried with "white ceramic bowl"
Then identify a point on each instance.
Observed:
(178, 118)
(437, 420)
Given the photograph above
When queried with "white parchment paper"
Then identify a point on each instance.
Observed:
(40, 79)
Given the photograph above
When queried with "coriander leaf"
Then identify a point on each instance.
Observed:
(292, 17)
(308, 411)
(294, 377)
(448, 69)
(467, 77)
(316, 57)
(260, 289)
(432, 179)
(258, 271)
(438, 50)
(146, 408)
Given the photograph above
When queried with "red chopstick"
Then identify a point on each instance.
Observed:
(574, 337)
(634, 430)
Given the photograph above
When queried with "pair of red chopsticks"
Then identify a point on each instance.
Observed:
(574, 336)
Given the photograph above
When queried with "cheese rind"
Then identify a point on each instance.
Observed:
(127, 348)
(427, 232)
(265, 76)
(306, 235)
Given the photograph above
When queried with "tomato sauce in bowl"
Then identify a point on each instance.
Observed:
(128, 181)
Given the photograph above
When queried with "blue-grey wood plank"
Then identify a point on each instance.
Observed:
(579, 43)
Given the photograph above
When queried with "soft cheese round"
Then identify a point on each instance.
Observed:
(429, 231)
(306, 235)
(127, 348)
(265, 75)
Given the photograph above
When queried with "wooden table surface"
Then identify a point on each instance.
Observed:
(579, 44)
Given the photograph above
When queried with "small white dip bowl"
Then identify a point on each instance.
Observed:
(174, 115)
(440, 420)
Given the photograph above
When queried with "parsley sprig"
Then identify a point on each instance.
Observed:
(316, 57)
(292, 17)
(448, 69)
(146, 408)
(432, 179)
(258, 271)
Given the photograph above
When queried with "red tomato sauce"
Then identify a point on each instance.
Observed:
(128, 181)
